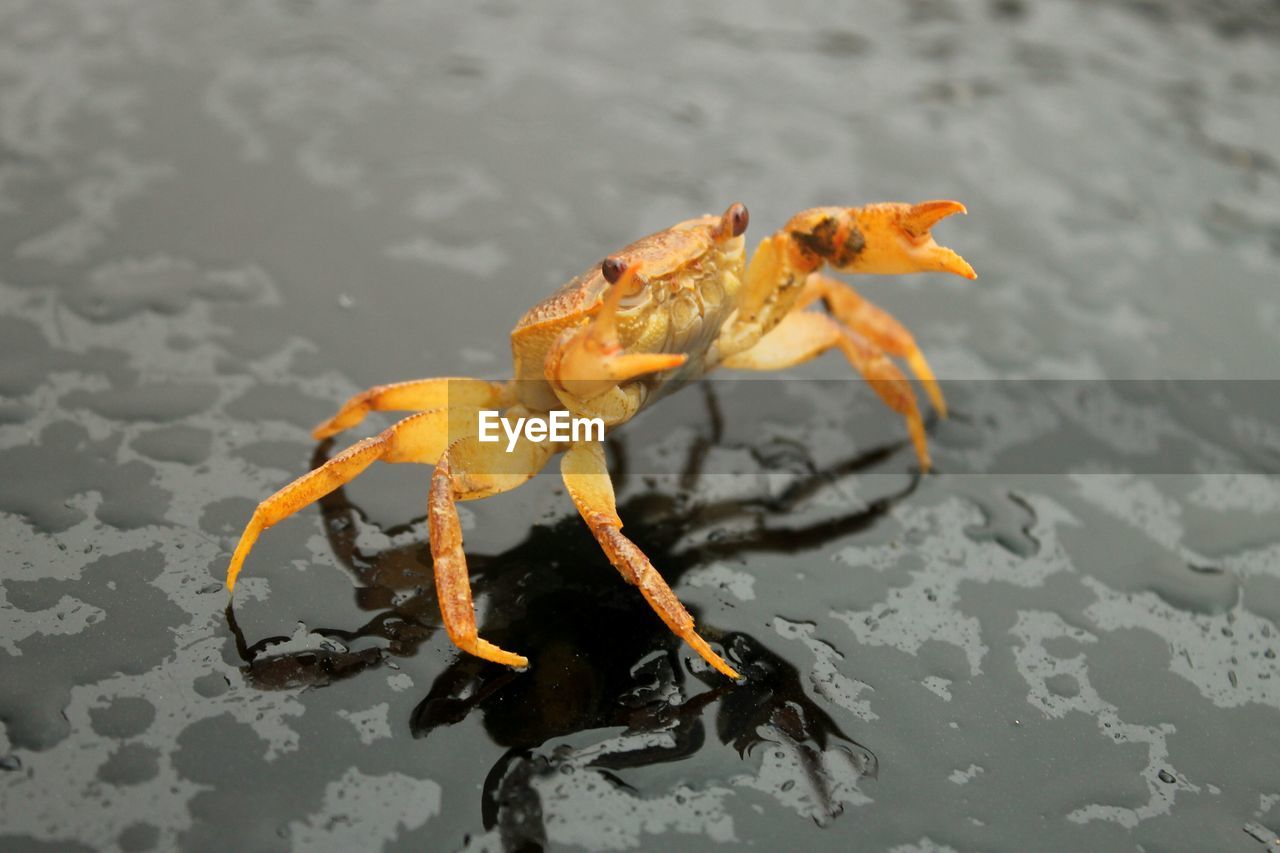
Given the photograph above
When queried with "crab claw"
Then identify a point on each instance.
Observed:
(921, 217)
(590, 361)
(917, 221)
(887, 239)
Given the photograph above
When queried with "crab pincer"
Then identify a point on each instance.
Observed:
(591, 361)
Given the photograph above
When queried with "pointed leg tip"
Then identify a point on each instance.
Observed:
(719, 664)
(708, 654)
(922, 455)
(488, 651)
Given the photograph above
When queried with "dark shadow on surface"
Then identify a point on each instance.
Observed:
(600, 659)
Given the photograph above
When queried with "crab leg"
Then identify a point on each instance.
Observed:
(804, 335)
(418, 395)
(418, 438)
(876, 325)
(483, 470)
(587, 479)
(590, 361)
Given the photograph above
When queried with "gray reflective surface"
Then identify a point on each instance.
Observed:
(221, 219)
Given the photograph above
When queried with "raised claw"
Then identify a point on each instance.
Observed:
(917, 221)
(888, 239)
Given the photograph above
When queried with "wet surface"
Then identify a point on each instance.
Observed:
(220, 221)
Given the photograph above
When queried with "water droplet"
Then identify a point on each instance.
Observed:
(10, 762)
(1167, 777)
(346, 301)
(210, 587)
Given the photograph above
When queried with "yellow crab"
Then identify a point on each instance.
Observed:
(665, 310)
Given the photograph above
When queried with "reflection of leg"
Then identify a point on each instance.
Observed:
(341, 518)
(481, 470)
(587, 479)
(510, 803)
(685, 733)
(803, 335)
(463, 687)
(417, 438)
(698, 452)
(714, 415)
(419, 395)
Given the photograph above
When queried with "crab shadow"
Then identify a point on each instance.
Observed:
(600, 659)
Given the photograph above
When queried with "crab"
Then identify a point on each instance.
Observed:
(662, 312)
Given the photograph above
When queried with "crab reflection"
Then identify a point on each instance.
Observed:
(600, 660)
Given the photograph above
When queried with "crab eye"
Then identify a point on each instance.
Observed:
(738, 218)
(612, 269)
